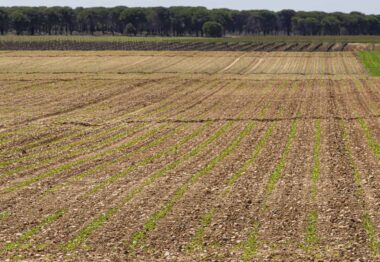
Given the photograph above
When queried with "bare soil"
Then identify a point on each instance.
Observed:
(121, 156)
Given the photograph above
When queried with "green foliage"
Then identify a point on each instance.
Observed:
(179, 21)
(130, 29)
(311, 230)
(251, 245)
(212, 29)
(371, 60)
(370, 228)
(4, 215)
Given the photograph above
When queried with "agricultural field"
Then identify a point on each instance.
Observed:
(243, 44)
(189, 156)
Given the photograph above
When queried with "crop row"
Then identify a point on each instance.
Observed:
(171, 46)
(250, 246)
(311, 239)
(367, 222)
(188, 138)
(197, 240)
(113, 178)
(97, 136)
(99, 221)
(76, 241)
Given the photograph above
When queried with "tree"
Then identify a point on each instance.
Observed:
(135, 16)
(159, 21)
(223, 17)
(4, 21)
(130, 29)
(306, 26)
(330, 25)
(67, 20)
(254, 24)
(373, 24)
(199, 16)
(268, 21)
(20, 21)
(213, 29)
(239, 20)
(285, 20)
(114, 23)
(180, 21)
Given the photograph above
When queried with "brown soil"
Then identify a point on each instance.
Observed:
(49, 120)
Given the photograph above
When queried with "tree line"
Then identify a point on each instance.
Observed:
(181, 21)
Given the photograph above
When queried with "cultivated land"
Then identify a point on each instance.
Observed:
(244, 44)
(188, 156)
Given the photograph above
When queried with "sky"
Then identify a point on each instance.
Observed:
(365, 6)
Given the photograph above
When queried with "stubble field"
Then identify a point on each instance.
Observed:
(188, 156)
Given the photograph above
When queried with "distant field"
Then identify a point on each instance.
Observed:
(260, 39)
(189, 156)
(256, 43)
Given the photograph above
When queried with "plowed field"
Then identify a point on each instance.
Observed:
(188, 156)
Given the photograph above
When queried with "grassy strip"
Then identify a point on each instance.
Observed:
(95, 224)
(370, 139)
(371, 61)
(251, 244)
(64, 167)
(311, 238)
(23, 241)
(370, 228)
(368, 224)
(150, 225)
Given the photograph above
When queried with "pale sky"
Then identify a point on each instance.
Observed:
(365, 6)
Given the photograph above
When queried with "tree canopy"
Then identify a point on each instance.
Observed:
(212, 29)
(181, 21)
